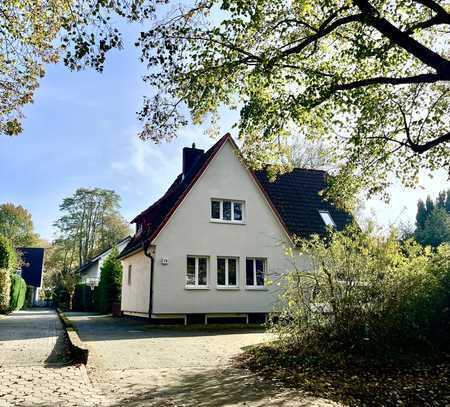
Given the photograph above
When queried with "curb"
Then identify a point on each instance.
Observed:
(78, 351)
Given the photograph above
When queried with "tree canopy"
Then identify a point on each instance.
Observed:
(90, 224)
(369, 77)
(16, 224)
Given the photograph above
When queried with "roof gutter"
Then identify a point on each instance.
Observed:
(146, 246)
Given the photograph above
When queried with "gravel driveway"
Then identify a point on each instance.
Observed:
(138, 365)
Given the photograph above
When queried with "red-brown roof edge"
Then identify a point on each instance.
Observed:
(216, 147)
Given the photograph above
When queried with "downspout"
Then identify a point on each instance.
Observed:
(152, 268)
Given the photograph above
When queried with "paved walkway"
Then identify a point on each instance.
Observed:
(139, 365)
(34, 368)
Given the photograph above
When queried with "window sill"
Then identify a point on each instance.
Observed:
(196, 287)
(256, 288)
(227, 222)
(225, 288)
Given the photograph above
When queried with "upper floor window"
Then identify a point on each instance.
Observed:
(227, 211)
(197, 271)
(327, 219)
(255, 270)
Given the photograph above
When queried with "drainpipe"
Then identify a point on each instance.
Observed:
(152, 268)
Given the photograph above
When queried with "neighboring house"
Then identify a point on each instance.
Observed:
(208, 247)
(90, 271)
(32, 269)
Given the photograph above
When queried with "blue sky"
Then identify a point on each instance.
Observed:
(82, 130)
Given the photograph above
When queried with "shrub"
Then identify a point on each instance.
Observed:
(109, 288)
(8, 264)
(359, 293)
(18, 292)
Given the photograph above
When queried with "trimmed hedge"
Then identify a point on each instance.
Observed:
(109, 288)
(18, 292)
(8, 264)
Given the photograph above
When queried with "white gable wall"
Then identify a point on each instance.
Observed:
(136, 294)
(190, 232)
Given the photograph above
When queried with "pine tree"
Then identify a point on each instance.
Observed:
(421, 215)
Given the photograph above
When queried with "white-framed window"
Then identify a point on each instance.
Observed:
(227, 272)
(129, 274)
(255, 271)
(224, 210)
(327, 219)
(197, 271)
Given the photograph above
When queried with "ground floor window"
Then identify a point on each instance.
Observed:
(197, 271)
(227, 271)
(255, 271)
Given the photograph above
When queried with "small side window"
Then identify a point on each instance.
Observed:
(129, 274)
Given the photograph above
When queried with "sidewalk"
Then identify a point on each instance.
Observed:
(34, 368)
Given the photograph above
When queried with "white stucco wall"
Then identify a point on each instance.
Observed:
(93, 271)
(135, 296)
(190, 232)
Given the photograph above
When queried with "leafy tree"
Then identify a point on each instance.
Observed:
(18, 292)
(311, 155)
(36, 33)
(91, 223)
(109, 288)
(8, 264)
(17, 225)
(370, 76)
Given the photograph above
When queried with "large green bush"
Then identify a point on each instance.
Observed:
(8, 264)
(361, 293)
(109, 288)
(18, 292)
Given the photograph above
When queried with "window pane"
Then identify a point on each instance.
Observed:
(190, 274)
(232, 271)
(221, 271)
(249, 272)
(259, 272)
(215, 209)
(327, 219)
(226, 210)
(237, 208)
(202, 271)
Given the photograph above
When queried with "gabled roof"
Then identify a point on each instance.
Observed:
(33, 265)
(296, 196)
(95, 259)
(293, 197)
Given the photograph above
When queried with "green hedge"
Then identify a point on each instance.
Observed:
(8, 264)
(18, 292)
(109, 288)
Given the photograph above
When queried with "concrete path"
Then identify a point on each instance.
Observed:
(34, 368)
(139, 365)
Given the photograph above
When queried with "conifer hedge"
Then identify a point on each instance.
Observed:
(18, 292)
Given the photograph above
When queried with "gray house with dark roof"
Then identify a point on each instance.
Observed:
(210, 245)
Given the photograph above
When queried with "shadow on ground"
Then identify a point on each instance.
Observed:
(218, 388)
(94, 327)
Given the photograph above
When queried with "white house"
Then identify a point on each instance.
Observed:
(207, 248)
(90, 271)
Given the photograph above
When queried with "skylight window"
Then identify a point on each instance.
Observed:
(327, 219)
